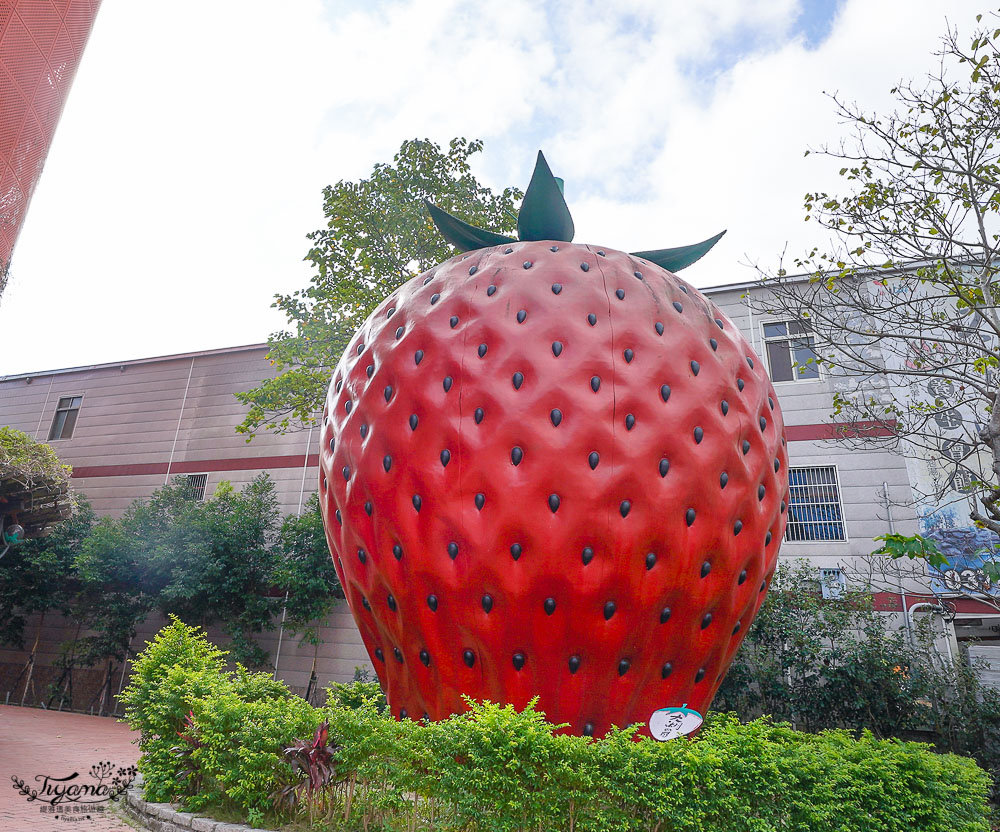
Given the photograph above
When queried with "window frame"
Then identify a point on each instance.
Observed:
(64, 412)
(840, 503)
(787, 339)
(204, 486)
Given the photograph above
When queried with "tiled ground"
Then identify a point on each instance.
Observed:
(36, 742)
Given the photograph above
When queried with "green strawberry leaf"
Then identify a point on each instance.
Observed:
(460, 234)
(675, 259)
(544, 214)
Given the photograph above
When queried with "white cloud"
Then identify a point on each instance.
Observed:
(190, 159)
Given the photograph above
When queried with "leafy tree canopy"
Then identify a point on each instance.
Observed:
(378, 236)
(903, 304)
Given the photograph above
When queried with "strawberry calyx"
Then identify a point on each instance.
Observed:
(544, 215)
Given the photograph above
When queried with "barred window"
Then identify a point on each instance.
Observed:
(814, 509)
(197, 483)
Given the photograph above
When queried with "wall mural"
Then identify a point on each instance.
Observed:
(556, 470)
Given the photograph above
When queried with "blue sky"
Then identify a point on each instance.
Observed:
(189, 162)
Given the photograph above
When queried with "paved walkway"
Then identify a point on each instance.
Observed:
(34, 743)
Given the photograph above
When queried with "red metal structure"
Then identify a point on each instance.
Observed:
(41, 42)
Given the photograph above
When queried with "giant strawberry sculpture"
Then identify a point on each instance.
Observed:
(552, 470)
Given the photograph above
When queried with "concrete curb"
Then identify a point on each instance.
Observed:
(163, 817)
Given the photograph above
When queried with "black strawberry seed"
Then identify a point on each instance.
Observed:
(418, 356)
(549, 606)
(556, 288)
(387, 393)
(585, 267)
(638, 275)
(574, 664)
(557, 348)
(629, 422)
(629, 355)
(346, 471)
(370, 370)
(594, 460)
(387, 463)
(364, 431)
(725, 407)
(453, 550)
(723, 479)
(738, 527)
(416, 502)
(521, 316)
(659, 328)
(515, 551)
(678, 306)
(689, 516)
(453, 321)
(664, 615)
(362, 556)
(588, 729)
(592, 319)
(717, 321)
(517, 380)
(587, 555)
(763, 423)
(695, 367)
(399, 332)
(397, 552)
(761, 491)
(379, 655)
(664, 466)
(699, 434)
(447, 383)
(487, 603)
(742, 578)
(472, 271)
(666, 670)
(595, 383)
(469, 658)
(620, 294)
(623, 667)
(391, 602)
(664, 392)
(746, 447)
(706, 567)
(368, 508)
(413, 421)
(518, 660)
(445, 457)
(480, 501)
(713, 344)
(699, 675)
(609, 610)
(435, 298)
(516, 455)
(625, 508)
(366, 605)
(482, 350)
(526, 264)
(767, 539)
(556, 417)
(706, 620)
(425, 658)
(432, 602)
(553, 503)
(740, 384)
(650, 560)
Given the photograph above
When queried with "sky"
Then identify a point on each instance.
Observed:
(190, 159)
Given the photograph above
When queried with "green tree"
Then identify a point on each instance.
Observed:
(40, 575)
(378, 236)
(903, 302)
(305, 570)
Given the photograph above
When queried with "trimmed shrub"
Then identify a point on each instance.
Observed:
(213, 738)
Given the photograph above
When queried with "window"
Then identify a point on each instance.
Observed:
(197, 483)
(65, 418)
(814, 510)
(832, 583)
(789, 346)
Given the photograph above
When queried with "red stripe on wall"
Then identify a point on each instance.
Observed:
(838, 430)
(196, 466)
(794, 433)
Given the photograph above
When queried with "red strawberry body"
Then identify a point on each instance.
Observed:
(552, 470)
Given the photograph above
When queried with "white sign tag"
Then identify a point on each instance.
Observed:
(670, 723)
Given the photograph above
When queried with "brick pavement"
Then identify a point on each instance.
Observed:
(33, 742)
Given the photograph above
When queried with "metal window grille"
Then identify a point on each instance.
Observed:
(814, 509)
(197, 482)
(65, 419)
(790, 346)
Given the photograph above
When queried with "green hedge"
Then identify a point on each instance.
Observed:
(215, 738)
